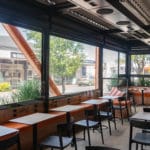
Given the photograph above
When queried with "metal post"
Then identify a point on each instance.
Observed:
(45, 69)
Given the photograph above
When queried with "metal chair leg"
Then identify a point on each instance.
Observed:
(109, 126)
(88, 132)
(101, 130)
(121, 116)
(136, 146)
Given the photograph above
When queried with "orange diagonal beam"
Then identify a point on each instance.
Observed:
(28, 53)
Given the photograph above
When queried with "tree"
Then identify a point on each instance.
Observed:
(66, 56)
(36, 39)
(138, 63)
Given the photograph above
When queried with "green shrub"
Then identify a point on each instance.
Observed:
(5, 86)
(27, 91)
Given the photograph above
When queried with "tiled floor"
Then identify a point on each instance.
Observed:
(119, 138)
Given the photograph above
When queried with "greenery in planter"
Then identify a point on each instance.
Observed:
(27, 91)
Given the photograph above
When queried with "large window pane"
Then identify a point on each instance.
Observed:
(110, 63)
(140, 81)
(112, 77)
(72, 65)
(122, 63)
(19, 78)
(108, 84)
(140, 64)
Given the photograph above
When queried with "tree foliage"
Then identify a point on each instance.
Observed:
(138, 63)
(66, 56)
(36, 39)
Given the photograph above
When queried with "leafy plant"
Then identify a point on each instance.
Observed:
(28, 90)
(5, 86)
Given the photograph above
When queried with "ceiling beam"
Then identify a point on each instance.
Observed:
(125, 11)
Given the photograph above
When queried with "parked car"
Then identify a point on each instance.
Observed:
(85, 82)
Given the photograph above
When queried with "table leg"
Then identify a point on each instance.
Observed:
(34, 136)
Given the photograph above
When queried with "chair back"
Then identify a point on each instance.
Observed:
(109, 106)
(91, 113)
(12, 140)
(141, 124)
(145, 109)
(65, 129)
(100, 148)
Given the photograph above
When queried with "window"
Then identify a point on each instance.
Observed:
(122, 63)
(114, 70)
(140, 64)
(140, 70)
(16, 82)
(110, 63)
(72, 65)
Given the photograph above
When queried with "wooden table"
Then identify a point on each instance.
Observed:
(67, 109)
(33, 120)
(109, 97)
(95, 101)
(141, 116)
(4, 131)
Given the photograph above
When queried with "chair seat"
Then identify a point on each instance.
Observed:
(53, 141)
(84, 123)
(105, 113)
(142, 138)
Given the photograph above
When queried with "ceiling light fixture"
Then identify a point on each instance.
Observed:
(46, 2)
(51, 2)
(105, 11)
(123, 23)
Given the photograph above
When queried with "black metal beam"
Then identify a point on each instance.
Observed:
(100, 74)
(45, 69)
(22, 14)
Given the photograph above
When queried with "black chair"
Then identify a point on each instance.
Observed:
(92, 121)
(146, 109)
(62, 140)
(122, 106)
(99, 148)
(132, 102)
(10, 141)
(142, 138)
(108, 114)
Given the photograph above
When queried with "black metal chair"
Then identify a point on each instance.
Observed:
(122, 101)
(10, 141)
(108, 114)
(62, 140)
(132, 102)
(92, 121)
(142, 138)
(146, 109)
(99, 148)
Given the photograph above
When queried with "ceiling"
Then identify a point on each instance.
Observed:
(127, 19)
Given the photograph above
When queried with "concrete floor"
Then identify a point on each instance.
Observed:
(119, 138)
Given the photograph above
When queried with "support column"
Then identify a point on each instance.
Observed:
(45, 70)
